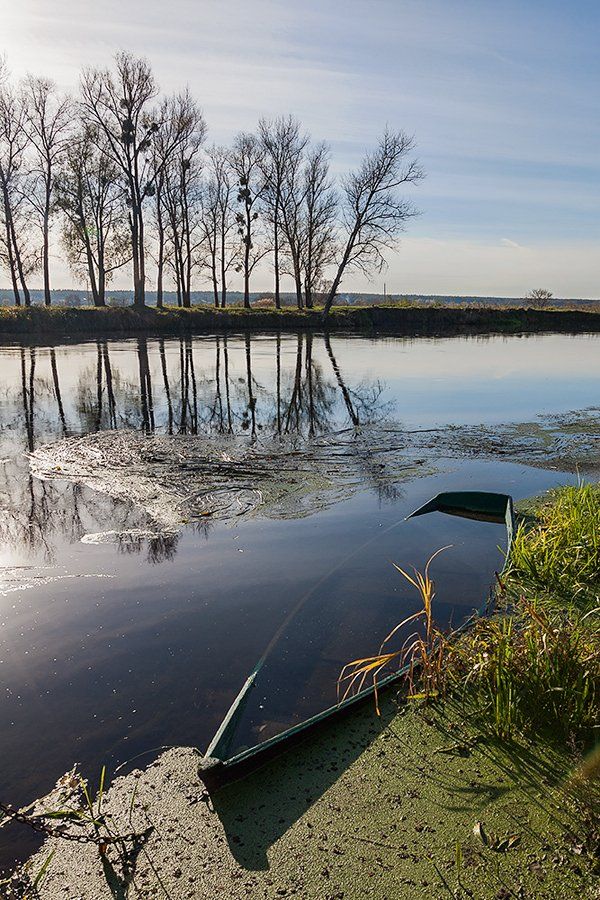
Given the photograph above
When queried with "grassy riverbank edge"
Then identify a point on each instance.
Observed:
(39, 321)
(425, 802)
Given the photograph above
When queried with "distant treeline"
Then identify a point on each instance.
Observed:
(125, 179)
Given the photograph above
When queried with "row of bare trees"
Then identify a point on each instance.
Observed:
(127, 178)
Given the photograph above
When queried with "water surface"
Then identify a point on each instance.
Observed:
(109, 650)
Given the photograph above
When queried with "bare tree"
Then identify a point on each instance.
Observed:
(247, 163)
(293, 197)
(373, 213)
(539, 298)
(210, 230)
(14, 233)
(218, 222)
(120, 104)
(178, 175)
(283, 145)
(317, 248)
(160, 226)
(91, 198)
(47, 122)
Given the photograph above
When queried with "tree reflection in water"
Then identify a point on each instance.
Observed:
(193, 386)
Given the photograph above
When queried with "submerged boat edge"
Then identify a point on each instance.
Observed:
(216, 772)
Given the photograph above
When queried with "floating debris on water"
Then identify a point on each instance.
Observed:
(183, 479)
(177, 480)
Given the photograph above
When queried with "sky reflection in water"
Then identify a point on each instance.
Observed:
(109, 650)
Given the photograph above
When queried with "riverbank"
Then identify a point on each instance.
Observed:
(492, 793)
(374, 808)
(40, 322)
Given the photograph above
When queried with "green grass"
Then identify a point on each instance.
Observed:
(534, 667)
(558, 555)
(534, 671)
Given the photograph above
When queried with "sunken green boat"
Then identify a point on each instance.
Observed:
(255, 729)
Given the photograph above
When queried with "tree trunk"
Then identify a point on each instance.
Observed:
(223, 268)
(247, 261)
(215, 283)
(340, 272)
(100, 299)
(308, 270)
(135, 256)
(159, 280)
(218, 397)
(341, 384)
(99, 380)
(297, 280)
(141, 296)
(183, 381)
(276, 258)
(295, 403)
(226, 374)
(214, 267)
(112, 406)
(19, 262)
(177, 284)
(160, 265)
(46, 250)
(309, 382)
(189, 363)
(28, 395)
(308, 298)
(247, 289)
(332, 292)
(188, 244)
(185, 286)
(163, 363)
(251, 397)
(145, 386)
(136, 222)
(9, 248)
(188, 277)
(91, 266)
(278, 380)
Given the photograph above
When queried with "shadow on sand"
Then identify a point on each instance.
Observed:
(256, 811)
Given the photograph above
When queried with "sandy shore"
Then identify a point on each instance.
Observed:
(367, 808)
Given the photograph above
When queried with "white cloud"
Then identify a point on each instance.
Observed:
(506, 242)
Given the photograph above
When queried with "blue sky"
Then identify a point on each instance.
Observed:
(503, 99)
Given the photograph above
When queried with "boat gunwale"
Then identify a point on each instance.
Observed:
(216, 771)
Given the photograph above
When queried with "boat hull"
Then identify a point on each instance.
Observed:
(217, 769)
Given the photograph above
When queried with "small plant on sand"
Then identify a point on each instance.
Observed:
(71, 812)
(420, 651)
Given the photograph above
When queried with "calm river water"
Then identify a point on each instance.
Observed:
(108, 650)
